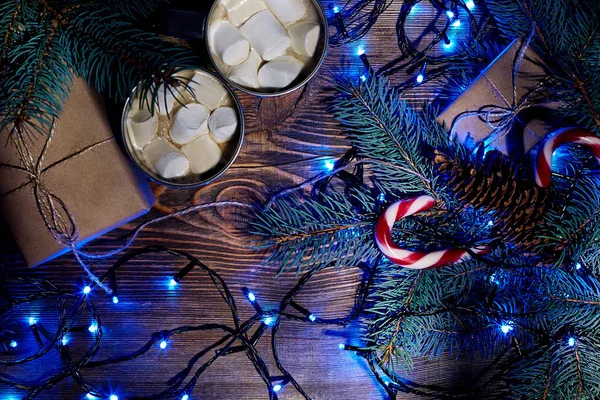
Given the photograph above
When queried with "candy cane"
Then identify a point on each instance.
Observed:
(407, 258)
(543, 174)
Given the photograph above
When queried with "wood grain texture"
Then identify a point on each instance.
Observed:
(287, 141)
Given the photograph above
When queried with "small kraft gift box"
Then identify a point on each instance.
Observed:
(505, 106)
(71, 185)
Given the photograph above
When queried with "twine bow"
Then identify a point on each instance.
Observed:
(54, 212)
(500, 118)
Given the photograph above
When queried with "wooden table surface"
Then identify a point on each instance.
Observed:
(288, 140)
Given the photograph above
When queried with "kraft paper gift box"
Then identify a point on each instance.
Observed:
(508, 116)
(82, 169)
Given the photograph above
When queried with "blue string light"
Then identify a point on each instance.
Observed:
(185, 397)
(87, 290)
(456, 23)
(571, 342)
(163, 344)
(363, 78)
(312, 318)
(172, 282)
(360, 51)
(329, 165)
(90, 396)
(277, 388)
(336, 10)
(251, 297)
(470, 4)
(13, 343)
(506, 327)
(269, 321)
(115, 300)
(420, 78)
(490, 223)
(32, 321)
(450, 14)
(93, 328)
(341, 346)
(64, 340)
(114, 397)
(578, 266)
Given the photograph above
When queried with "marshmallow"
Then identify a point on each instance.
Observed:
(207, 90)
(280, 72)
(287, 11)
(223, 123)
(238, 11)
(230, 44)
(165, 99)
(305, 37)
(172, 165)
(246, 74)
(266, 34)
(142, 127)
(153, 151)
(189, 122)
(204, 154)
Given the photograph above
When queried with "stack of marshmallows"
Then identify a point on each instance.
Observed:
(187, 133)
(264, 44)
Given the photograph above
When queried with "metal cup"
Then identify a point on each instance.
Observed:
(230, 152)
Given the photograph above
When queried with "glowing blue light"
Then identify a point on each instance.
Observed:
(506, 328)
(363, 78)
(450, 14)
(269, 321)
(329, 165)
(172, 282)
(470, 4)
(93, 328)
(163, 344)
(114, 397)
(87, 290)
(185, 397)
(90, 396)
(277, 388)
(336, 9)
(448, 44)
(115, 300)
(490, 223)
(381, 197)
(360, 51)
(341, 346)
(13, 343)
(64, 340)
(251, 297)
(456, 23)
(420, 78)
(312, 318)
(578, 266)
(571, 342)
(32, 321)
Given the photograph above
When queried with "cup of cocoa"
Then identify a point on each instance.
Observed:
(192, 134)
(267, 47)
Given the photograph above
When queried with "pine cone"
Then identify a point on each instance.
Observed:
(493, 184)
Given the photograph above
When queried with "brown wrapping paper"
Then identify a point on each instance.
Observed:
(99, 186)
(493, 90)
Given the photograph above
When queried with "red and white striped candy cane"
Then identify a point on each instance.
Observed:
(407, 258)
(543, 174)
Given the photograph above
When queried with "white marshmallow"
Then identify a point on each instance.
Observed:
(223, 123)
(172, 165)
(238, 11)
(305, 37)
(165, 99)
(142, 127)
(266, 34)
(280, 72)
(207, 90)
(228, 42)
(189, 122)
(204, 154)
(287, 11)
(246, 74)
(153, 151)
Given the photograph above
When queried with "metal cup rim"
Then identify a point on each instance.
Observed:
(153, 177)
(291, 89)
